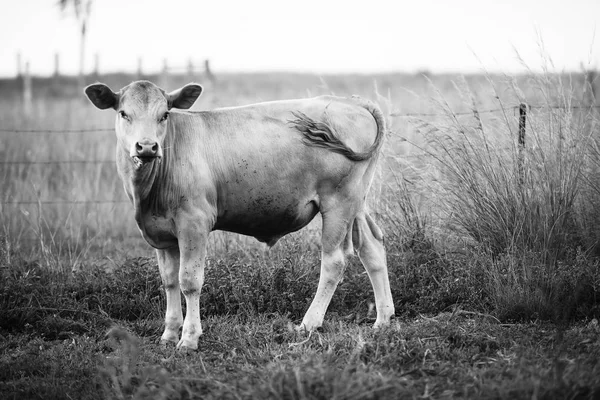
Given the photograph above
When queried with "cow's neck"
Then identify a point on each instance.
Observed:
(139, 183)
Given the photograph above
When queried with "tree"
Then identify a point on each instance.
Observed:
(81, 10)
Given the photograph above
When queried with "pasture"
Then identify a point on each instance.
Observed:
(492, 249)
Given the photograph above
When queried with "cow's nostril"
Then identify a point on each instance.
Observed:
(146, 148)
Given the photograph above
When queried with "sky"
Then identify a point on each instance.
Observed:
(317, 36)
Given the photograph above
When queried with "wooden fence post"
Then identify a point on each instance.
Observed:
(96, 72)
(522, 125)
(27, 97)
(56, 65)
(164, 75)
(140, 70)
(190, 70)
(19, 66)
(207, 71)
(55, 86)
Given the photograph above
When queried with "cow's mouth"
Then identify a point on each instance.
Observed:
(139, 161)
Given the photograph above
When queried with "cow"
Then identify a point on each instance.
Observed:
(262, 170)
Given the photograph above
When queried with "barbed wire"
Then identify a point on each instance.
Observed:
(97, 129)
(103, 237)
(492, 110)
(95, 162)
(485, 111)
(577, 107)
(393, 114)
(87, 130)
(17, 202)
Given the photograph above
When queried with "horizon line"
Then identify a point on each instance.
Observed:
(421, 71)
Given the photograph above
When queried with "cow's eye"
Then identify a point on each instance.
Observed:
(164, 117)
(123, 115)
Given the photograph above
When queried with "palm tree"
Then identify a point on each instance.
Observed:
(81, 9)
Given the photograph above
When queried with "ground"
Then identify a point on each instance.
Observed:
(451, 355)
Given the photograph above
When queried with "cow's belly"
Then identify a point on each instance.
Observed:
(267, 218)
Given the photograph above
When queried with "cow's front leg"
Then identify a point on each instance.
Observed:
(168, 264)
(192, 246)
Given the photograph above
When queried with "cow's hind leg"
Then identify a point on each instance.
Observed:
(336, 245)
(368, 242)
(168, 264)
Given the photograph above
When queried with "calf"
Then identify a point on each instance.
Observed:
(262, 170)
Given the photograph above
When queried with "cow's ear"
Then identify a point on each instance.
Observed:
(185, 97)
(101, 96)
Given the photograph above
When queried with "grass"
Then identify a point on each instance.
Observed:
(524, 207)
(53, 225)
(95, 335)
(495, 274)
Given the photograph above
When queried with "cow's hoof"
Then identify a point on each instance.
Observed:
(166, 343)
(381, 323)
(303, 328)
(187, 346)
(169, 339)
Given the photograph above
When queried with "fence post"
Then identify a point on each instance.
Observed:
(522, 125)
(19, 66)
(190, 70)
(55, 87)
(27, 97)
(56, 65)
(140, 70)
(207, 71)
(164, 75)
(96, 72)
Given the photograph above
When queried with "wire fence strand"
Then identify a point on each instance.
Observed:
(493, 110)
(393, 114)
(396, 114)
(52, 131)
(17, 202)
(472, 112)
(95, 162)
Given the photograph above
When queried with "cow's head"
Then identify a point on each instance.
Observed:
(142, 114)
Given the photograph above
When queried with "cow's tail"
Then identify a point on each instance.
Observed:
(322, 134)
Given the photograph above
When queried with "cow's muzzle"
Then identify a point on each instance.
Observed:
(145, 151)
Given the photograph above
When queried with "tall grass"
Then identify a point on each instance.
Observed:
(523, 206)
(38, 225)
(449, 193)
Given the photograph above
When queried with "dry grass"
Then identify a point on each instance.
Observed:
(448, 180)
(465, 231)
(52, 224)
(523, 207)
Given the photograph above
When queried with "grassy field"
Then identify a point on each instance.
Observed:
(492, 251)
(94, 334)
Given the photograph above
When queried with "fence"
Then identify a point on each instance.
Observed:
(522, 123)
(191, 70)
